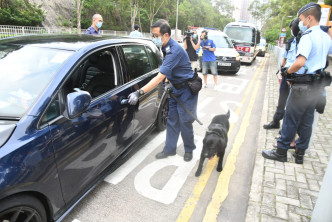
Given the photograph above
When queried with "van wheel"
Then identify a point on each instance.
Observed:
(22, 208)
(162, 114)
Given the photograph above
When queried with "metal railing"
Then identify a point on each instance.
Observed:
(7, 31)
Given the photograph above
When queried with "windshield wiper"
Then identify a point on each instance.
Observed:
(9, 118)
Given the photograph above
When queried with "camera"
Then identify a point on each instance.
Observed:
(188, 34)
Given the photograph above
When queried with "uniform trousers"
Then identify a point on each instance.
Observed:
(179, 121)
(299, 116)
(283, 95)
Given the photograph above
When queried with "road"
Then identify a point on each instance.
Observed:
(146, 189)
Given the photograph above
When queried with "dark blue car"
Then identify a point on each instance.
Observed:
(64, 120)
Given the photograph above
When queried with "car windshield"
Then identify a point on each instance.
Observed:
(239, 34)
(25, 72)
(262, 42)
(221, 41)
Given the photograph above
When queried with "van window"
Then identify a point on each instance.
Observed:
(136, 59)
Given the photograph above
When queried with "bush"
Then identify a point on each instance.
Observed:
(20, 12)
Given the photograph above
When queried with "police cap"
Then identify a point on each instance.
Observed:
(306, 7)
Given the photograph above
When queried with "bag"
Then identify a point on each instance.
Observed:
(321, 101)
(195, 84)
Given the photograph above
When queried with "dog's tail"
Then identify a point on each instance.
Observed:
(228, 114)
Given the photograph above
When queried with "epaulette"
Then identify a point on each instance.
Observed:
(307, 32)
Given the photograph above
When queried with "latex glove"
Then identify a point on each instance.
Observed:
(167, 86)
(133, 98)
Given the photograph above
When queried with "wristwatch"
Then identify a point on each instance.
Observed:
(141, 92)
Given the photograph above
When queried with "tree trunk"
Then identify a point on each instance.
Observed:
(134, 5)
(79, 6)
(154, 10)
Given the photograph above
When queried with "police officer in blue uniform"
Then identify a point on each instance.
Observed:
(311, 58)
(176, 69)
(289, 59)
(97, 22)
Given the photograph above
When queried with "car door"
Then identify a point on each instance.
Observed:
(141, 67)
(86, 145)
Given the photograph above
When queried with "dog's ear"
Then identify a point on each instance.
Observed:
(228, 114)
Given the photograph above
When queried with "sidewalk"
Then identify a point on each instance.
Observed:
(288, 191)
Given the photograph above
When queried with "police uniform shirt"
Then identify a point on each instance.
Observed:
(92, 31)
(176, 65)
(314, 46)
(207, 54)
(136, 34)
(291, 54)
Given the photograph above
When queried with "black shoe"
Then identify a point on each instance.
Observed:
(163, 155)
(275, 154)
(272, 125)
(298, 154)
(188, 156)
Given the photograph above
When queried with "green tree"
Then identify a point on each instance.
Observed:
(20, 12)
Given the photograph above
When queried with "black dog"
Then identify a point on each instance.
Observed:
(215, 141)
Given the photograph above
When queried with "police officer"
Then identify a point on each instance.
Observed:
(311, 57)
(176, 68)
(97, 22)
(289, 58)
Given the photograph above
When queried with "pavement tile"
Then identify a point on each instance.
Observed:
(287, 200)
(267, 218)
(292, 192)
(275, 191)
(300, 211)
(267, 210)
(282, 211)
(294, 217)
(306, 202)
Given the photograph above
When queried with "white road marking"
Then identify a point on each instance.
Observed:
(225, 105)
(203, 104)
(169, 192)
(235, 88)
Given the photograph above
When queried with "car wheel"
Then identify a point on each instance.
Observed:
(263, 54)
(162, 114)
(22, 208)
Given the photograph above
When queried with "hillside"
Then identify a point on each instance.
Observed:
(57, 11)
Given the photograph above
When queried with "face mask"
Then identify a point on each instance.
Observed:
(157, 41)
(302, 27)
(99, 24)
(194, 36)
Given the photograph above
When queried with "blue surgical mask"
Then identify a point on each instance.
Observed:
(157, 41)
(302, 27)
(99, 24)
(194, 36)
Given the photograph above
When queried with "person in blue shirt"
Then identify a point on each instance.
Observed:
(289, 58)
(209, 59)
(97, 22)
(136, 33)
(176, 69)
(311, 57)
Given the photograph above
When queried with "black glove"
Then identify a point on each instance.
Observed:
(167, 86)
(283, 71)
(133, 98)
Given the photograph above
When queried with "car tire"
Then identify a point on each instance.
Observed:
(20, 207)
(263, 54)
(162, 114)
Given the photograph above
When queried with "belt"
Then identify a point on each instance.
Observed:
(179, 86)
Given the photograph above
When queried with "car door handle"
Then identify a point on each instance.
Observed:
(124, 101)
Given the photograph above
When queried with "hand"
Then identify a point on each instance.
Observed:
(167, 86)
(133, 98)
(283, 71)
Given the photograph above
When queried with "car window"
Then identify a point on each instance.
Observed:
(136, 59)
(152, 58)
(25, 73)
(96, 74)
(52, 112)
(221, 41)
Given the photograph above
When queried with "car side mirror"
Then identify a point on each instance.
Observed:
(77, 103)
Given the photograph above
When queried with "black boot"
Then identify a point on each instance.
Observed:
(272, 125)
(299, 153)
(276, 154)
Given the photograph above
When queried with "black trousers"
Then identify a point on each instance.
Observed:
(283, 95)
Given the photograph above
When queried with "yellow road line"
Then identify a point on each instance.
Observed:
(221, 191)
(191, 203)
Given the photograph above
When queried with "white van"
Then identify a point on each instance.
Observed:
(228, 59)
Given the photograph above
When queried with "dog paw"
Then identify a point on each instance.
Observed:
(198, 173)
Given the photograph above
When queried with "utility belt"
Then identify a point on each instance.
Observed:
(300, 78)
(179, 86)
(194, 84)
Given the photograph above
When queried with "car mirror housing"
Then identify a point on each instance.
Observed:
(77, 103)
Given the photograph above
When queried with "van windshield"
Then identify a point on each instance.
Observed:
(25, 72)
(242, 34)
(221, 41)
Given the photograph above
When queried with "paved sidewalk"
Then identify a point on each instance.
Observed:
(288, 191)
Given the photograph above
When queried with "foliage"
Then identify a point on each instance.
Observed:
(116, 14)
(20, 12)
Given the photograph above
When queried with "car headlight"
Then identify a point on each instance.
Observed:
(237, 58)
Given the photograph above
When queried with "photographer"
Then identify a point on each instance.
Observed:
(191, 45)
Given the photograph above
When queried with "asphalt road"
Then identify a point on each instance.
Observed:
(146, 189)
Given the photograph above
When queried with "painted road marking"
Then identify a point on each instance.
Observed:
(191, 203)
(221, 190)
(170, 190)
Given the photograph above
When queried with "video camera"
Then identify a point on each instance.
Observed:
(188, 34)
